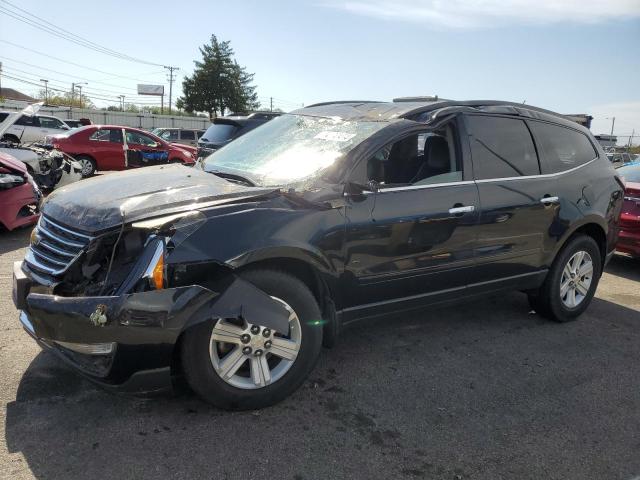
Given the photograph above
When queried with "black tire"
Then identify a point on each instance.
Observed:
(204, 380)
(91, 161)
(546, 301)
(10, 138)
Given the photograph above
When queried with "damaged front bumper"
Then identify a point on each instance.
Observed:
(127, 342)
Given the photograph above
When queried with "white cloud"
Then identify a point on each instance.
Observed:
(483, 13)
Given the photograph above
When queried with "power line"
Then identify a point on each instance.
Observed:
(71, 63)
(53, 29)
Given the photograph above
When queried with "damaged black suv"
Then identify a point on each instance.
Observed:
(236, 273)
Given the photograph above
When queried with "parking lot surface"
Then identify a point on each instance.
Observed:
(480, 390)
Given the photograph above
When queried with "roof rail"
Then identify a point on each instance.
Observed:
(339, 102)
(426, 98)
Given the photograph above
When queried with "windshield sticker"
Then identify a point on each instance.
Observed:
(335, 136)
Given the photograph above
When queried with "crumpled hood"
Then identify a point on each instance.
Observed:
(99, 203)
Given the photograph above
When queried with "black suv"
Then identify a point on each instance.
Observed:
(225, 129)
(236, 274)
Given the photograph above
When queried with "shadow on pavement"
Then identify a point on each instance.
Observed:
(624, 266)
(479, 390)
(14, 240)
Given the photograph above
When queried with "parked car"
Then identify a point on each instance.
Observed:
(629, 241)
(112, 147)
(19, 195)
(619, 159)
(49, 168)
(186, 136)
(236, 274)
(225, 129)
(32, 128)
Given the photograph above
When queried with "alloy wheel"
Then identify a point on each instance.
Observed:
(576, 279)
(251, 356)
(87, 167)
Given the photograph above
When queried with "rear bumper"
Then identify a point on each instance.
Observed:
(127, 342)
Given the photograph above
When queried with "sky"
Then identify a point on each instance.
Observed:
(570, 56)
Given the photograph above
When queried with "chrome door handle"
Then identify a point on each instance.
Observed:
(459, 210)
(549, 200)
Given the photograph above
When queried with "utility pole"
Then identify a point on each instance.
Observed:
(613, 122)
(46, 90)
(121, 97)
(73, 92)
(633, 132)
(271, 104)
(0, 79)
(171, 69)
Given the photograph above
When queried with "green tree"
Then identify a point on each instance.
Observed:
(65, 99)
(218, 83)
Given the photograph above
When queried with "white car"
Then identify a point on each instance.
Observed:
(32, 128)
(50, 168)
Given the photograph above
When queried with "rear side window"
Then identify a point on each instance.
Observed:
(113, 135)
(28, 121)
(3, 116)
(188, 135)
(561, 148)
(219, 133)
(501, 147)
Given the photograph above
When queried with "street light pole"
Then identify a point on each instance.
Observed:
(46, 89)
(79, 85)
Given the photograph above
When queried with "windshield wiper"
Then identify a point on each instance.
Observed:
(233, 178)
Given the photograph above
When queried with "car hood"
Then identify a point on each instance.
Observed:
(11, 163)
(102, 203)
(14, 116)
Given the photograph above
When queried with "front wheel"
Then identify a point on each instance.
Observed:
(571, 282)
(88, 165)
(237, 365)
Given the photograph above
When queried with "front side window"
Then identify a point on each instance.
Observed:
(140, 139)
(419, 159)
(562, 148)
(501, 148)
(290, 149)
(188, 135)
(113, 135)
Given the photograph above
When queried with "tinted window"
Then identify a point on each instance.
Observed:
(562, 148)
(219, 133)
(501, 147)
(200, 133)
(113, 135)
(27, 121)
(188, 135)
(3, 115)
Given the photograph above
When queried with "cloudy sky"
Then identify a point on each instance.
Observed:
(572, 56)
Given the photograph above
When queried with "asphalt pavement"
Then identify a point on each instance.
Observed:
(479, 390)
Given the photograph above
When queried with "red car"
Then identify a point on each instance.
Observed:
(629, 239)
(112, 147)
(19, 197)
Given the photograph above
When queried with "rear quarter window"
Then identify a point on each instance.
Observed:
(561, 148)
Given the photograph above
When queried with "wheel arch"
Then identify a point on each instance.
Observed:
(592, 227)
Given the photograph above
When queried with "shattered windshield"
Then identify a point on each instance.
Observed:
(290, 148)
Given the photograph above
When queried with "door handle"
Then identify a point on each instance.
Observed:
(462, 209)
(549, 200)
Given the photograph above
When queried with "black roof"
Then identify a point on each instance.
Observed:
(423, 110)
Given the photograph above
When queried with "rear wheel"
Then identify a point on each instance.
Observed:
(88, 165)
(238, 365)
(10, 138)
(571, 282)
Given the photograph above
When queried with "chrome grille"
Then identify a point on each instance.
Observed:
(54, 248)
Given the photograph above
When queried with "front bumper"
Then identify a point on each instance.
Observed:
(127, 342)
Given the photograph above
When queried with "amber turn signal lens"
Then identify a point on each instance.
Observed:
(158, 274)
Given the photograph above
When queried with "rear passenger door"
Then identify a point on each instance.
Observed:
(517, 205)
(106, 147)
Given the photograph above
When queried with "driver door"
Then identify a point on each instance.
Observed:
(143, 150)
(410, 238)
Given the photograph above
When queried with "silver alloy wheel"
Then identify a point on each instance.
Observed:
(576, 279)
(250, 356)
(87, 166)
